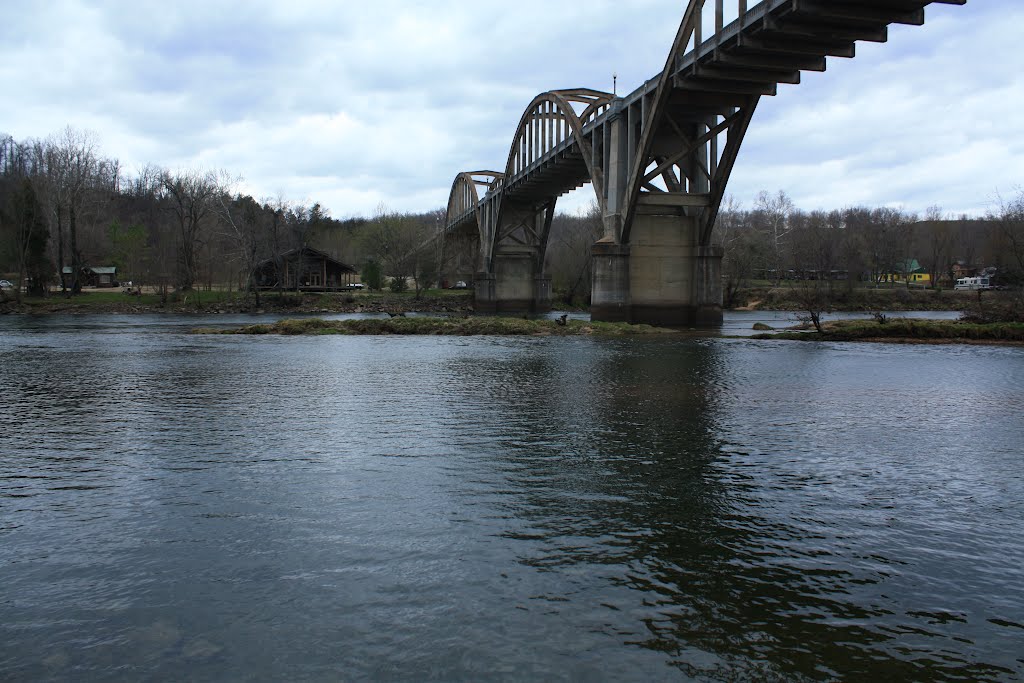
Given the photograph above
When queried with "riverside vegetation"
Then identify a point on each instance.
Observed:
(988, 317)
(993, 317)
(465, 326)
(908, 331)
(900, 330)
(215, 301)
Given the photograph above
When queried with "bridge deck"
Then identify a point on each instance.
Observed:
(770, 44)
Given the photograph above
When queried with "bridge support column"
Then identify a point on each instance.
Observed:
(707, 284)
(515, 286)
(664, 277)
(609, 300)
(483, 293)
(673, 279)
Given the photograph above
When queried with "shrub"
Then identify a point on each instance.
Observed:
(372, 276)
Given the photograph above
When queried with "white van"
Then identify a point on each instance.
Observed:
(973, 283)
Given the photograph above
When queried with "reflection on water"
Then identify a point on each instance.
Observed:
(454, 508)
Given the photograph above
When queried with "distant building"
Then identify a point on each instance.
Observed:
(307, 270)
(962, 269)
(908, 271)
(91, 276)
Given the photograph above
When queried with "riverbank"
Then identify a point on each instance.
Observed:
(460, 326)
(857, 300)
(908, 331)
(217, 302)
(991, 307)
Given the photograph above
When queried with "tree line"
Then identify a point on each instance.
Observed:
(64, 206)
(775, 241)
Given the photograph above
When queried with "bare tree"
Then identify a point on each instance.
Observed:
(240, 223)
(31, 236)
(275, 213)
(941, 237)
(191, 196)
(23, 217)
(568, 258)
(148, 245)
(818, 238)
(817, 245)
(73, 155)
(402, 245)
(1008, 224)
(885, 239)
(774, 211)
(744, 249)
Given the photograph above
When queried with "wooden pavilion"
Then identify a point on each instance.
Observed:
(305, 270)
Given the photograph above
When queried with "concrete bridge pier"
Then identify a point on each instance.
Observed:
(663, 277)
(609, 300)
(514, 285)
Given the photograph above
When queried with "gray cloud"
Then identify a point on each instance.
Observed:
(385, 102)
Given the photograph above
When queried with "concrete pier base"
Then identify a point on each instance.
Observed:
(483, 293)
(515, 286)
(663, 277)
(609, 300)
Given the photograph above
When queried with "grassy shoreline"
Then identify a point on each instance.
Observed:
(217, 302)
(905, 331)
(458, 307)
(468, 326)
(858, 299)
(444, 301)
(909, 331)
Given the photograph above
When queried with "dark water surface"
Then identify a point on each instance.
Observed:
(333, 508)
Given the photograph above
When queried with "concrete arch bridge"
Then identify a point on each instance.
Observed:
(659, 160)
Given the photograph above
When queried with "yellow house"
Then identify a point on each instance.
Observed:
(909, 270)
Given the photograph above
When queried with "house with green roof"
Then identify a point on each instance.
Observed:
(906, 271)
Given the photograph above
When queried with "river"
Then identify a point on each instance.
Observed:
(191, 507)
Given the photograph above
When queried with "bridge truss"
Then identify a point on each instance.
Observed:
(670, 146)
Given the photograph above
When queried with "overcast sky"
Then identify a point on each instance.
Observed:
(357, 104)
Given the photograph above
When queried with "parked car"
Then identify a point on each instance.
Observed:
(355, 285)
(460, 285)
(6, 284)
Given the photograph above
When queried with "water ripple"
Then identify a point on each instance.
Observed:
(505, 508)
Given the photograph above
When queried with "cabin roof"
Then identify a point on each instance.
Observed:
(314, 253)
(99, 270)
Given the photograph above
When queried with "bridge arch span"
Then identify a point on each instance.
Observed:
(659, 158)
(552, 121)
(464, 198)
(555, 121)
(465, 233)
(554, 124)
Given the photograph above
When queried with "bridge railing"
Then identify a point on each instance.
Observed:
(553, 123)
(713, 17)
(545, 130)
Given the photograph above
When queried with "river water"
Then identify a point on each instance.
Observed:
(430, 508)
